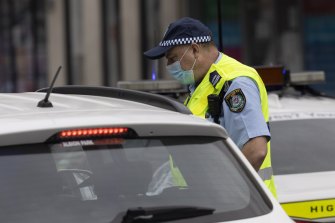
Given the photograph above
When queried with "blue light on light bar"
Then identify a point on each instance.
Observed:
(153, 73)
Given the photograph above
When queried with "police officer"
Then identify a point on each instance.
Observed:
(216, 79)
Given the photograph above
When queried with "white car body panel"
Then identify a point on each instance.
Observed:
(87, 112)
(306, 186)
(273, 217)
(300, 105)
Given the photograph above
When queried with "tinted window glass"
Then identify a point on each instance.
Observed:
(303, 146)
(94, 180)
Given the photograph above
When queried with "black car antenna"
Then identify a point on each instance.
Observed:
(45, 103)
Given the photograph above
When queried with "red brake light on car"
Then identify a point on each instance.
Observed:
(92, 132)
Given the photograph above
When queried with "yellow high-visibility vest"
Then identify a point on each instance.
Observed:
(229, 69)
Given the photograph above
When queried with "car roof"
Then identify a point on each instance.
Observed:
(293, 106)
(23, 122)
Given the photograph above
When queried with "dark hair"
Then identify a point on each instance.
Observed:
(208, 44)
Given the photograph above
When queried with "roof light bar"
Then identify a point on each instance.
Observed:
(92, 132)
(307, 77)
(272, 75)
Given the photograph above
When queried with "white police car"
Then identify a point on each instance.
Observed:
(302, 126)
(97, 154)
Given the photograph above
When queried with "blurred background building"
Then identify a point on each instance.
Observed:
(101, 42)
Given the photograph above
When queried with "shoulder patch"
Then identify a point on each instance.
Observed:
(236, 100)
(214, 78)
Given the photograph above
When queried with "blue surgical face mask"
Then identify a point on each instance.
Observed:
(184, 76)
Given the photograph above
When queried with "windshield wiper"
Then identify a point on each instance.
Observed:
(159, 214)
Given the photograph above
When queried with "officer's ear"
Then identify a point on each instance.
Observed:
(196, 49)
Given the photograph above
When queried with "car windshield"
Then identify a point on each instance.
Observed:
(95, 180)
(303, 146)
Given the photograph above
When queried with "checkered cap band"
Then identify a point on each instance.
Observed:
(182, 41)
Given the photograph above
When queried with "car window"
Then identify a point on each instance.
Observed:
(303, 146)
(94, 180)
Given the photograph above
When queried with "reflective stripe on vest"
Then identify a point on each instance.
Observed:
(229, 69)
(266, 173)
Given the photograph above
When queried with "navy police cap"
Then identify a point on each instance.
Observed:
(183, 31)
